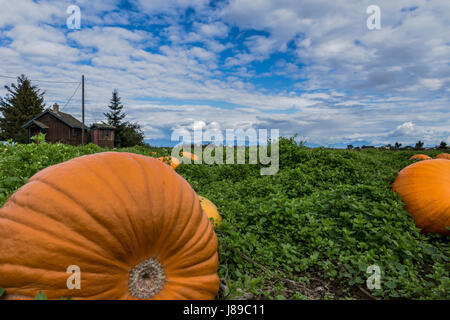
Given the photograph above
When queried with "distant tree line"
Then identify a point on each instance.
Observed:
(398, 146)
(23, 101)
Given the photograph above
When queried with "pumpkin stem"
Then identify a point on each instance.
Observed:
(146, 279)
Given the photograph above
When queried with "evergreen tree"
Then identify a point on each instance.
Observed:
(442, 145)
(127, 134)
(22, 103)
(115, 116)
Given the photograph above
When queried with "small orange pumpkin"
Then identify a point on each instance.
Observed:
(443, 156)
(420, 157)
(211, 211)
(425, 189)
(189, 155)
(133, 226)
(173, 162)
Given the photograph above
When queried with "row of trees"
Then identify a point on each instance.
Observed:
(419, 145)
(23, 101)
(397, 146)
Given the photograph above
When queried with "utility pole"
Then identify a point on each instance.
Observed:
(82, 109)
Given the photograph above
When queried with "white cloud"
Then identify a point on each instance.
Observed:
(170, 7)
(261, 45)
(112, 40)
(17, 12)
(432, 84)
(212, 30)
(202, 54)
(405, 129)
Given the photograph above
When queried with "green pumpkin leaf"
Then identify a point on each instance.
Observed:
(40, 296)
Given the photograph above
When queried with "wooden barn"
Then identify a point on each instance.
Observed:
(103, 135)
(64, 128)
(58, 127)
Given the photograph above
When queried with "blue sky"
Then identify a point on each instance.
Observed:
(310, 67)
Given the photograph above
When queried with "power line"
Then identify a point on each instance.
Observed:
(71, 96)
(91, 112)
(49, 81)
(54, 81)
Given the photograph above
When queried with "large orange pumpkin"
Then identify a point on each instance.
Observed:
(420, 157)
(443, 156)
(425, 189)
(133, 226)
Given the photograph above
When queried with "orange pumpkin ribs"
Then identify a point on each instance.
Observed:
(132, 225)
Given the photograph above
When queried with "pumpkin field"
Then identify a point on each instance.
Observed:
(308, 232)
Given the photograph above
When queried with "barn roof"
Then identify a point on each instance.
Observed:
(64, 117)
(40, 124)
(103, 126)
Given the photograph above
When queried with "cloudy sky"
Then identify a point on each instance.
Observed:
(310, 67)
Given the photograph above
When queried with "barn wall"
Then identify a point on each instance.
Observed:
(104, 141)
(58, 131)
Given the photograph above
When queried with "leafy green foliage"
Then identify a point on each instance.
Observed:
(330, 213)
(40, 138)
(40, 296)
(131, 134)
(319, 222)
